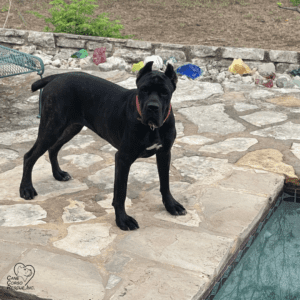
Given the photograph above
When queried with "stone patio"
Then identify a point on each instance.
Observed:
(235, 142)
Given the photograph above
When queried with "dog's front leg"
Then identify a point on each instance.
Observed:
(163, 160)
(122, 167)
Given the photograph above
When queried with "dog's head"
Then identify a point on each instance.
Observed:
(155, 91)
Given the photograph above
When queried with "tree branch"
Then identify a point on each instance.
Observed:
(297, 9)
(7, 13)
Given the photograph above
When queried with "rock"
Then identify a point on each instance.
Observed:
(63, 60)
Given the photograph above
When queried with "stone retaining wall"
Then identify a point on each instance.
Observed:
(64, 45)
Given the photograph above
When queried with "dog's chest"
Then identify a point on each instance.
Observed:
(155, 146)
(152, 143)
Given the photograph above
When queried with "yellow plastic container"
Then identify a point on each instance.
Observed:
(239, 67)
(138, 66)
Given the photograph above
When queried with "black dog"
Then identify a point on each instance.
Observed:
(138, 122)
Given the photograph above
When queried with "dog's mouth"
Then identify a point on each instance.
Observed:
(152, 125)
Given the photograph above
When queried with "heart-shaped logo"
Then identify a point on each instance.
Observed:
(24, 272)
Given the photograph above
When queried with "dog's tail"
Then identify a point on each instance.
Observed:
(42, 82)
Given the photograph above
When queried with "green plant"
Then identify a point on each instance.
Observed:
(295, 2)
(71, 19)
(4, 9)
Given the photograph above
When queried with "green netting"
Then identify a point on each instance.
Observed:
(13, 62)
(269, 266)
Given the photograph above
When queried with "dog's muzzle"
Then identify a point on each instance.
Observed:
(154, 107)
(152, 126)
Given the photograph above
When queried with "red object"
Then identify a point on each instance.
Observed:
(99, 56)
(269, 84)
(294, 181)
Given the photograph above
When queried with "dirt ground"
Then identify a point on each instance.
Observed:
(230, 23)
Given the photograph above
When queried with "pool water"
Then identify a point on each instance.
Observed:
(269, 265)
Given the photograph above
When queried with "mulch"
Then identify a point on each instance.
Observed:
(250, 23)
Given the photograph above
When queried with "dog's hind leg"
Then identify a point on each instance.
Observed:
(67, 135)
(49, 132)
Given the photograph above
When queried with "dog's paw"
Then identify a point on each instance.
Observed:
(175, 208)
(27, 192)
(62, 176)
(127, 223)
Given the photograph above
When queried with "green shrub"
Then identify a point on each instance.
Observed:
(71, 19)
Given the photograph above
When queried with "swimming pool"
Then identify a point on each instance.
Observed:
(268, 266)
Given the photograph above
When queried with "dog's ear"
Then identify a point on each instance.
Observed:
(146, 69)
(170, 73)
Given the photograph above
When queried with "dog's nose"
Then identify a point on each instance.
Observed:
(153, 106)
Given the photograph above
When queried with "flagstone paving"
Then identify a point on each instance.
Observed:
(235, 142)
